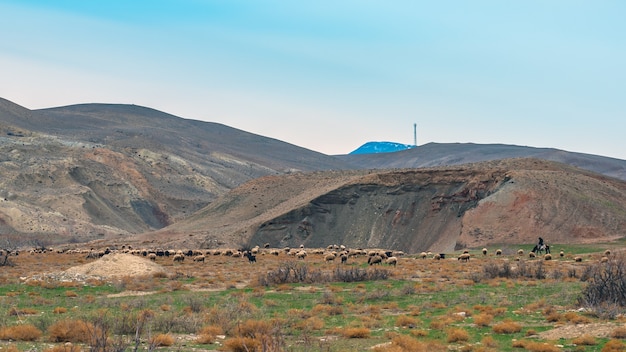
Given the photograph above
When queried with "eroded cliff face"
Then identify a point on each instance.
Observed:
(408, 210)
(443, 209)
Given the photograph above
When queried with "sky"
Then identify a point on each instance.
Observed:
(332, 75)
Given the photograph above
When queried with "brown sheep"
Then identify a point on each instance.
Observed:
(464, 257)
(604, 259)
(392, 261)
(607, 253)
(178, 258)
(375, 259)
(329, 257)
(198, 258)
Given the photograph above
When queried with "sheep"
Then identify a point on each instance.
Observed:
(484, 251)
(251, 258)
(392, 261)
(301, 254)
(548, 256)
(344, 258)
(178, 258)
(607, 253)
(152, 256)
(198, 258)
(437, 256)
(266, 245)
(531, 255)
(604, 259)
(375, 259)
(464, 257)
(274, 252)
(423, 255)
(520, 252)
(561, 254)
(329, 257)
(578, 259)
(498, 251)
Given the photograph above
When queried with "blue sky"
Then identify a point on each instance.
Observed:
(332, 75)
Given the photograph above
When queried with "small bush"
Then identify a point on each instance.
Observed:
(535, 346)
(64, 348)
(507, 327)
(613, 346)
(70, 330)
(242, 344)
(59, 310)
(585, 340)
(356, 333)
(457, 335)
(25, 332)
(607, 284)
(489, 341)
(483, 319)
(406, 321)
(161, 340)
(619, 333)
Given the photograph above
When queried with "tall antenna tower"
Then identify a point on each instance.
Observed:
(415, 134)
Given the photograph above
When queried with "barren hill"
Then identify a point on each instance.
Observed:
(439, 209)
(125, 173)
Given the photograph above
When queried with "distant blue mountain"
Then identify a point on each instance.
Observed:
(381, 147)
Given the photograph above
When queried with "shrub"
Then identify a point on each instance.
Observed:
(585, 340)
(25, 332)
(208, 334)
(64, 348)
(507, 327)
(356, 333)
(483, 319)
(457, 335)
(59, 310)
(161, 340)
(70, 330)
(607, 284)
(489, 341)
(619, 333)
(613, 346)
(242, 344)
(406, 321)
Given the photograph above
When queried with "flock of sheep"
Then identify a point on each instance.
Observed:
(332, 253)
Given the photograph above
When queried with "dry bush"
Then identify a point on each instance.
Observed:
(71, 294)
(489, 341)
(613, 346)
(585, 340)
(419, 333)
(441, 323)
(70, 330)
(405, 343)
(11, 348)
(507, 327)
(312, 323)
(14, 311)
(619, 333)
(576, 318)
(457, 335)
(242, 344)
(161, 340)
(208, 334)
(535, 346)
(356, 332)
(25, 332)
(59, 310)
(483, 319)
(254, 328)
(406, 321)
(551, 314)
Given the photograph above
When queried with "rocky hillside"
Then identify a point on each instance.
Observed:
(438, 209)
(125, 173)
(92, 171)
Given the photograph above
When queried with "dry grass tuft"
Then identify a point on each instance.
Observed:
(406, 321)
(70, 330)
(507, 327)
(535, 346)
(25, 332)
(64, 348)
(356, 332)
(161, 340)
(619, 333)
(614, 346)
(483, 319)
(59, 310)
(457, 335)
(241, 344)
(585, 340)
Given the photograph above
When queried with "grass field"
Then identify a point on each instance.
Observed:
(280, 303)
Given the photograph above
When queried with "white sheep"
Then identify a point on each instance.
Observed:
(178, 258)
(548, 256)
(198, 258)
(301, 254)
(329, 257)
(392, 261)
(464, 257)
(152, 256)
(423, 255)
(484, 251)
(520, 252)
(498, 251)
(531, 255)
(578, 259)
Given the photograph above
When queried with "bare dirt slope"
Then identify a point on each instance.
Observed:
(439, 209)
